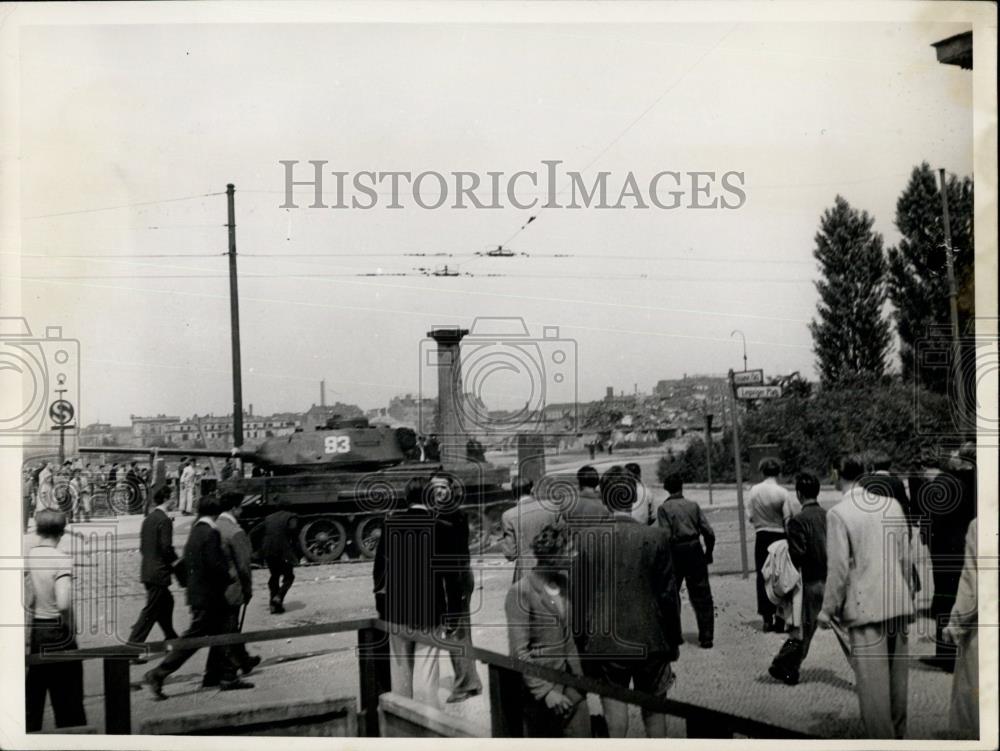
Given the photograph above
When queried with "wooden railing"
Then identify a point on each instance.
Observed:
(505, 681)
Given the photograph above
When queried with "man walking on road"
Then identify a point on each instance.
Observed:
(868, 590)
(807, 550)
(236, 546)
(769, 509)
(156, 546)
(280, 555)
(208, 575)
(686, 525)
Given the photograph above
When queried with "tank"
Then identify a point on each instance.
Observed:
(344, 477)
(341, 480)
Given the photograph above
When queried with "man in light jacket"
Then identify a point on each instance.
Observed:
(239, 552)
(869, 591)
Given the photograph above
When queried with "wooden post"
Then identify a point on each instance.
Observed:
(234, 320)
(117, 690)
(373, 672)
(956, 342)
(506, 703)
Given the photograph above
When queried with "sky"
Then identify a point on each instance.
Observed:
(136, 117)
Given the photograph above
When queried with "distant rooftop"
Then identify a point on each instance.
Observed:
(955, 50)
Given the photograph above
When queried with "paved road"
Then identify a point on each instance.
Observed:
(731, 677)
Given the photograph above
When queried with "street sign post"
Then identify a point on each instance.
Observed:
(61, 412)
(749, 378)
(758, 392)
(740, 513)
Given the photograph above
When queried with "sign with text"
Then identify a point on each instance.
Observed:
(758, 392)
(748, 378)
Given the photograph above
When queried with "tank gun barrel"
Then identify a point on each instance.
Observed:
(220, 453)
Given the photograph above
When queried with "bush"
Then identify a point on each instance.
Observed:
(692, 465)
(815, 432)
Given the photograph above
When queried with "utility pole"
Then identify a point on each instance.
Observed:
(234, 321)
(743, 337)
(708, 453)
(739, 478)
(956, 342)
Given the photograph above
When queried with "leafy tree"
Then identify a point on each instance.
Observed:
(851, 338)
(918, 277)
(815, 432)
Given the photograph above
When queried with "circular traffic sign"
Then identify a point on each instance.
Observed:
(61, 411)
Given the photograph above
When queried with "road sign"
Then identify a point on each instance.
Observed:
(748, 378)
(61, 412)
(758, 392)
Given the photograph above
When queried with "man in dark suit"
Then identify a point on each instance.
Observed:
(209, 576)
(944, 502)
(156, 546)
(416, 586)
(626, 607)
(280, 555)
(445, 502)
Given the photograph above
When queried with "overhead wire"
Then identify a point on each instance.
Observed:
(126, 205)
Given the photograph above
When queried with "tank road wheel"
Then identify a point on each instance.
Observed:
(367, 532)
(323, 540)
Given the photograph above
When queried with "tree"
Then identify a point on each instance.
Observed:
(918, 277)
(851, 338)
(814, 432)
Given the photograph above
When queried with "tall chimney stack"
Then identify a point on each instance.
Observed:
(449, 365)
(322, 393)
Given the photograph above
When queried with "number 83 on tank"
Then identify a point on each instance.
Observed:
(337, 444)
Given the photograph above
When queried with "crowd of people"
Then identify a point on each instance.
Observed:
(598, 572)
(595, 588)
(214, 569)
(78, 488)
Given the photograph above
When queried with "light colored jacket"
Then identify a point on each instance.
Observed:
(239, 552)
(869, 569)
(782, 582)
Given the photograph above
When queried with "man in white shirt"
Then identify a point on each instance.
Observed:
(869, 591)
(49, 587)
(187, 489)
(769, 509)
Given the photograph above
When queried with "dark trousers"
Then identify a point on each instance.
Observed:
(690, 568)
(238, 651)
(794, 650)
(62, 681)
(765, 607)
(947, 555)
(159, 609)
(466, 675)
(221, 663)
(281, 579)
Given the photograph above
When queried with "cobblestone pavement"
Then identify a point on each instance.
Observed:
(731, 677)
